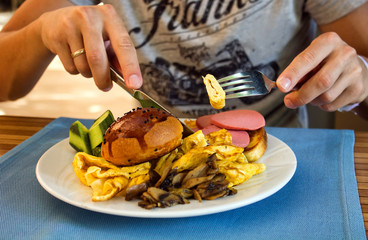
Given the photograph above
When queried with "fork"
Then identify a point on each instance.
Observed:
(246, 84)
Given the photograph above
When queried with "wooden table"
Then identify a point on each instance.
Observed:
(14, 130)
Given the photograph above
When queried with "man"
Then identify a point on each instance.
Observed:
(173, 43)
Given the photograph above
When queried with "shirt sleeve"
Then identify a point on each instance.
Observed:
(327, 11)
(85, 2)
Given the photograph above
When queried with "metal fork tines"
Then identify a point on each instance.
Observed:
(246, 84)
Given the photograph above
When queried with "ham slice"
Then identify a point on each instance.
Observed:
(204, 121)
(238, 120)
(240, 138)
(210, 128)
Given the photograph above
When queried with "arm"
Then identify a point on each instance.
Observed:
(332, 73)
(41, 29)
(353, 30)
(23, 56)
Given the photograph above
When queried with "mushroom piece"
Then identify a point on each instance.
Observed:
(211, 162)
(182, 192)
(135, 191)
(199, 171)
(213, 189)
(165, 172)
(190, 183)
(178, 179)
(160, 198)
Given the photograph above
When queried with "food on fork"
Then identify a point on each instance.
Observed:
(215, 91)
(141, 135)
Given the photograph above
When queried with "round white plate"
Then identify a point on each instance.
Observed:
(55, 173)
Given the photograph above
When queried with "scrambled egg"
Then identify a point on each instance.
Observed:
(215, 92)
(230, 159)
(107, 180)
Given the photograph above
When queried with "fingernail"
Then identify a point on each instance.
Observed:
(285, 83)
(134, 81)
(107, 89)
(289, 104)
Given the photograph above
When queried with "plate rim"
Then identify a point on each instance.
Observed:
(156, 213)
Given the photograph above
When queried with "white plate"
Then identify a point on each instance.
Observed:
(55, 173)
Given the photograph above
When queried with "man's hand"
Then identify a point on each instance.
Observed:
(92, 28)
(328, 74)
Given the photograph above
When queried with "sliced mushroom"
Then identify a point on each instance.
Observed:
(196, 195)
(163, 198)
(178, 179)
(211, 188)
(165, 172)
(148, 198)
(147, 205)
(218, 195)
(185, 193)
(199, 171)
(212, 161)
(190, 183)
(135, 191)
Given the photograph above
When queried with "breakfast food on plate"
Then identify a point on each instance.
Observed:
(239, 120)
(98, 129)
(141, 135)
(215, 91)
(239, 138)
(245, 126)
(143, 156)
(90, 140)
(78, 137)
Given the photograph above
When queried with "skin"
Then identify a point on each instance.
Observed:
(59, 28)
(328, 73)
(331, 72)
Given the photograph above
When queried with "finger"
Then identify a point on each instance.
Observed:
(80, 61)
(328, 82)
(97, 58)
(319, 84)
(306, 61)
(63, 52)
(123, 48)
(342, 100)
(330, 95)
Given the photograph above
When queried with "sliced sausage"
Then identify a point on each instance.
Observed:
(240, 138)
(239, 120)
(204, 121)
(210, 128)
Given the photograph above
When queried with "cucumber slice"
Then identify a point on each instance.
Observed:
(78, 137)
(96, 151)
(99, 127)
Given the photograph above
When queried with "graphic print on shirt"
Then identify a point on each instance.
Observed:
(184, 29)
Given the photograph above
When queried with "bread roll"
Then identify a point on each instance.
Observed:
(141, 135)
(257, 145)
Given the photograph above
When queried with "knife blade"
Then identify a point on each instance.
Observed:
(144, 99)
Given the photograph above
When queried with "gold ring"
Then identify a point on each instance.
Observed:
(78, 52)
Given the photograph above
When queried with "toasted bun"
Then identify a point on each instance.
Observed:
(141, 135)
(257, 145)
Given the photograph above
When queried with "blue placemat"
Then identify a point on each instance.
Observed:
(320, 202)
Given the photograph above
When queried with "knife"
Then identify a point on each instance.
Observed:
(144, 99)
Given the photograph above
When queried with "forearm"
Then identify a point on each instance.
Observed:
(362, 109)
(23, 60)
(23, 55)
